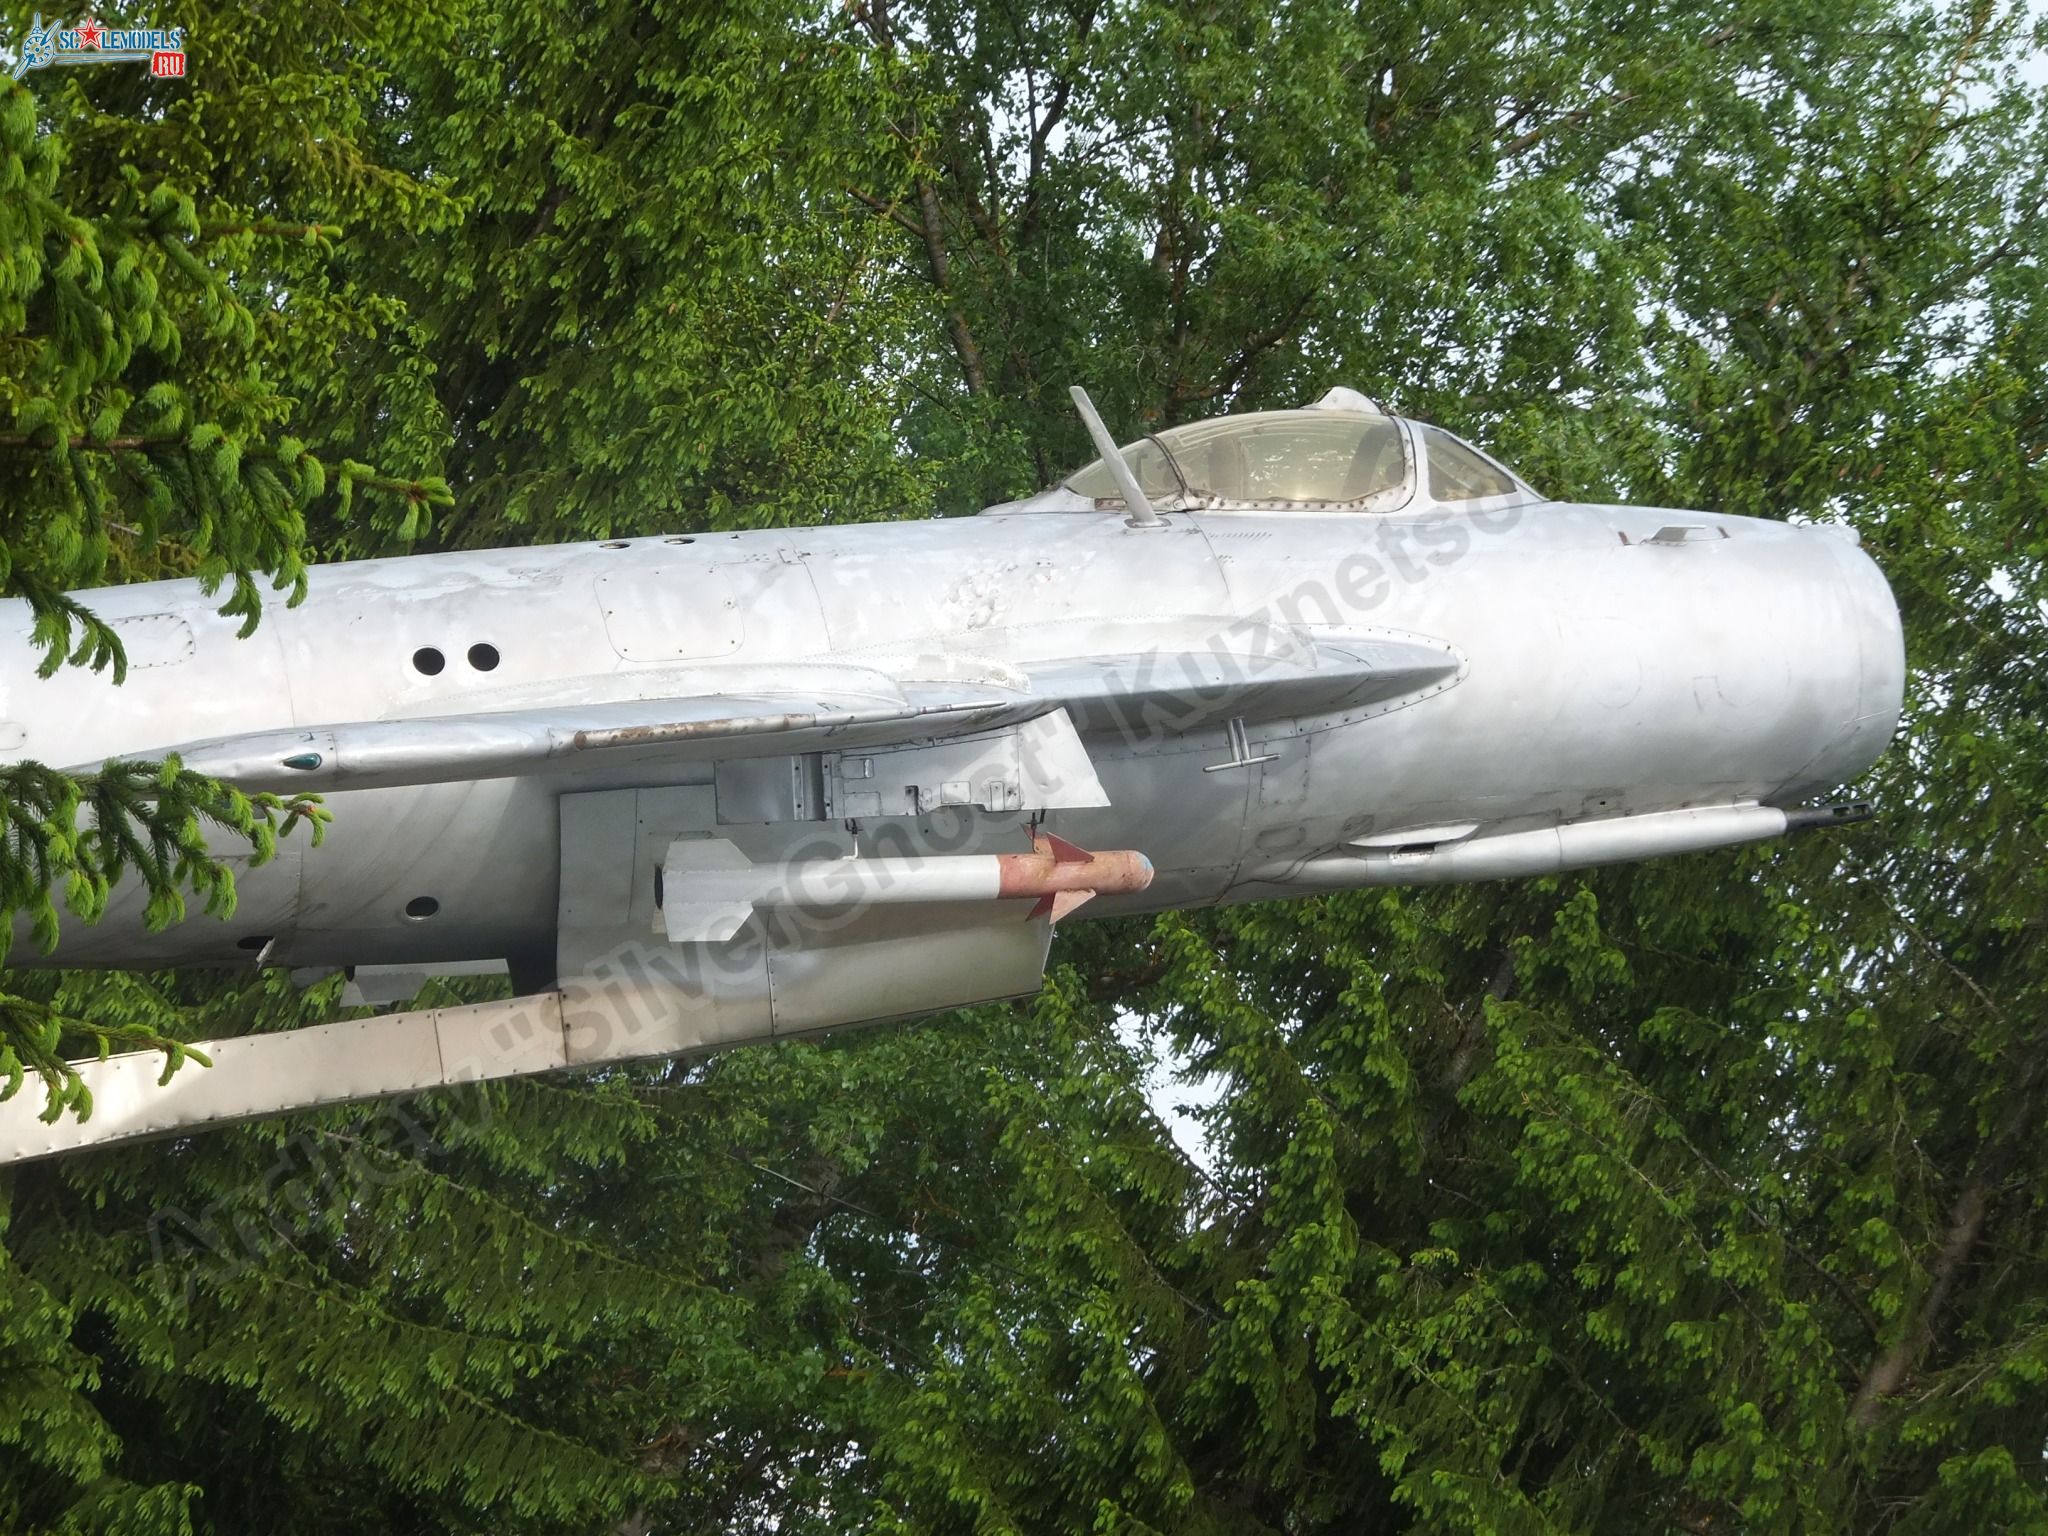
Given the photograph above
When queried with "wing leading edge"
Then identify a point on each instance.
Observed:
(1254, 672)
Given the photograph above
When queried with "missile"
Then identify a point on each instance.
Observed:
(709, 888)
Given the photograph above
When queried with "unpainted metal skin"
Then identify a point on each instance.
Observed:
(698, 790)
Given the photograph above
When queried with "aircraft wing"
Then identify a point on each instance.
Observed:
(385, 754)
(1255, 672)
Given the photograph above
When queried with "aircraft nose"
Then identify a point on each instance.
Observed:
(1864, 620)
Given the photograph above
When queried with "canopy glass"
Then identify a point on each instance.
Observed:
(1303, 459)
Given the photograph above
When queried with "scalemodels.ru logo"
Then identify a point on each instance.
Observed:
(161, 48)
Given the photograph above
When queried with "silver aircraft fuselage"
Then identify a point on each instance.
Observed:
(800, 778)
(1601, 674)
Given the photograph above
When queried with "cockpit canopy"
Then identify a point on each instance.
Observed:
(1341, 454)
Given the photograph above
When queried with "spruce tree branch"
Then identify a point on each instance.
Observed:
(427, 490)
(272, 228)
(432, 490)
(1799, 1251)
(1941, 958)
(516, 1215)
(91, 444)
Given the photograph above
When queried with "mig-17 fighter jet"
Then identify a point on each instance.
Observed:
(701, 790)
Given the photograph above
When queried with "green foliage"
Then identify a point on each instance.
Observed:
(657, 310)
(143, 822)
(160, 325)
(1700, 1196)
(135, 403)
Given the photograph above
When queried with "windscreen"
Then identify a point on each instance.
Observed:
(1456, 473)
(1273, 458)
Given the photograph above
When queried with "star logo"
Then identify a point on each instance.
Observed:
(90, 32)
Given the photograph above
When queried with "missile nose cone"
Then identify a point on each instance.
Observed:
(1123, 871)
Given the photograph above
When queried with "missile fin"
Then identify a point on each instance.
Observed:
(1064, 852)
(1065, 901)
